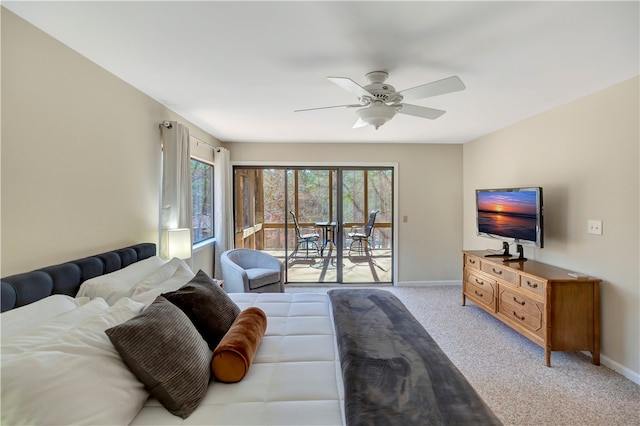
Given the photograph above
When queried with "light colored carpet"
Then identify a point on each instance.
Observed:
(508, 370)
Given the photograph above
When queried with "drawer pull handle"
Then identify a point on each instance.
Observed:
(532, 285)
(472, 261)
(478, 294)
(516, 315)
(499, 272)
(479, 282)
(518, 302)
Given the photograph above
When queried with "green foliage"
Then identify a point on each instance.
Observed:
(202, 200)
(312, 194)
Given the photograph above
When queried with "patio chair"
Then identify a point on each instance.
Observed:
(308, 238)
(360, 235)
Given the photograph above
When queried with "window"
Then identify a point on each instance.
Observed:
(202, 199)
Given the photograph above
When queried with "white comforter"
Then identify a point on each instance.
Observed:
(65, 370)
(295, 378)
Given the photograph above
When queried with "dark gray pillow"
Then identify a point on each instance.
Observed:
(166, 353)
(207, 305)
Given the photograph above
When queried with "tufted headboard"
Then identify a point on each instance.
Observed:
(65, 278)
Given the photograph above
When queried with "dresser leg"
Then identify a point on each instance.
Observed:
(595, 357)
(547, 357)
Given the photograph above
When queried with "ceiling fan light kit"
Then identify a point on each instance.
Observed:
(377, 113)
(380, 102)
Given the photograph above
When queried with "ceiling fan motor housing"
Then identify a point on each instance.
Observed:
(379, 89)
(383, 92)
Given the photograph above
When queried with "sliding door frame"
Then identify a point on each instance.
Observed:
(331, 165)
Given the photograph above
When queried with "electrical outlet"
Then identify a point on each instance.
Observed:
(405, 219)
(594, 226)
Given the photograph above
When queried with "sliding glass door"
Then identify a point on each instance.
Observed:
(367, 223)
(311, 212)
(315, 219)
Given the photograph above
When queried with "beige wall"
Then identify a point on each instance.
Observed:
(586, 157)
(430, 194)
(80, 154)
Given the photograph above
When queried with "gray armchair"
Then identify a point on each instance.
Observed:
(251, 271)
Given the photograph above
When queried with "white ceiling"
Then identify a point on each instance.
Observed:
(240, 69)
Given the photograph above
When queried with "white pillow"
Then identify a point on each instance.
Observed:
(34, 336)
(36, 313)
(171, 276)
(76, 378)
(117, 284)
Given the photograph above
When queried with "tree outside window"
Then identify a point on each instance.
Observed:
(202, 199)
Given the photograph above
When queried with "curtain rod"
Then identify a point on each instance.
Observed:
(199, 141)
(167, 124)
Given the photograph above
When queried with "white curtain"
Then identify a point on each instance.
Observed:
(176, 182)
(223, 216)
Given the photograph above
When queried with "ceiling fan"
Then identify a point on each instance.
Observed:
(379, 101)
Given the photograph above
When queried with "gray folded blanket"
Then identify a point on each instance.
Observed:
(394, 373)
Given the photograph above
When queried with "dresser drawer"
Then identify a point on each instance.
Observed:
(523, 310)
(532, 285)
(471, 261)
(497, 271)
(486, 284)
(523, 302)
(482, 296)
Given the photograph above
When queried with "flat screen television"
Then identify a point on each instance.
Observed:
(513, 215)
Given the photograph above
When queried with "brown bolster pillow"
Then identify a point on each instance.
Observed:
(234, 354)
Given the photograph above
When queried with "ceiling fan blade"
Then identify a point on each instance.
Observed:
(420, 111)
(351, 86)
(435, 88)
(328, 107)
(359, 123)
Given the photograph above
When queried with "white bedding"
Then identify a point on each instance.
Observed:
(116, 285)
(295, 378)
(141, 281)
(66, 370)
(28, 316)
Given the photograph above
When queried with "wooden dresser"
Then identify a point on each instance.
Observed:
(541, 302)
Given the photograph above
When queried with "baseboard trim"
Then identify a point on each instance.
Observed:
(620, 369)
(429, 283)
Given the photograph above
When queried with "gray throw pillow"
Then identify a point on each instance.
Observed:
(166, 353)
(207, 305)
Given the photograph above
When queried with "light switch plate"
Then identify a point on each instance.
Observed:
(594, 226)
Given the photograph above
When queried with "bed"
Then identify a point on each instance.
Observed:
(63, 361)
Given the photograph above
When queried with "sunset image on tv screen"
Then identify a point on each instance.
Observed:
(508, 214)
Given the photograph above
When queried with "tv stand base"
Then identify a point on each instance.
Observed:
(520, 257)
(505, 253)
